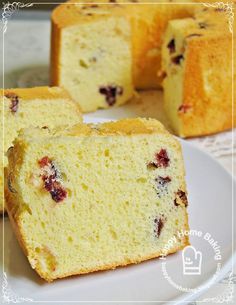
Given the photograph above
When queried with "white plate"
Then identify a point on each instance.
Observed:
(210, 211)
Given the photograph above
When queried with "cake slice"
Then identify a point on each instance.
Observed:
(94, 197)
(40, 106)
(197, 62)
(91, 54)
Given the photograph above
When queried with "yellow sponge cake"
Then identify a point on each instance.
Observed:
(91, 55)
(101, 52)
(94, 197)
(197, 62)
(40, 106)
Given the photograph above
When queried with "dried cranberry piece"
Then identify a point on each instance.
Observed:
(111, 92)
(159, 224)
(184, 108)
(51, 179)
(183, 197)
(44, 162)
(49, 182)
(14, 101)
(176, 203)
(58, 193)
(177, 59)
(162, 159)
(162, 181)
(171, 46)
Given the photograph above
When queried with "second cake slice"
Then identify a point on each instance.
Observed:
(47, 107)
(95, 197)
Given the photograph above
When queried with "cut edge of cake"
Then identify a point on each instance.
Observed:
(15, 103)
(112, 84)
(128, 127)
(197, 87)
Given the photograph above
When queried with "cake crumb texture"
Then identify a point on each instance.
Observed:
(124, 195)
(40, 106)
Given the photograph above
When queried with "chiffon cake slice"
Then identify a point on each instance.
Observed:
(95, 197)
(39, 106)
(197, 63)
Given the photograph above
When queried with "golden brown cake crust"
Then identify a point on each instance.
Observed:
(21, 239)
(37, 92)
(210, 113)
(146, 35)
(204, 75)
(128, 127)
(43, 92)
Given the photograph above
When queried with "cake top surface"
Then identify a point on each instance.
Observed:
(36, 93)
(122, 127)
(205, 23)
(74, 12)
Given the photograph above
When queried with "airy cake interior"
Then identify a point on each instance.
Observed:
(173, 64)
(95, 72)
(93, 198)
(197, 88)
(40, 106)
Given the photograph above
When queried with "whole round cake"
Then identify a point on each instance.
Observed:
(101, 53)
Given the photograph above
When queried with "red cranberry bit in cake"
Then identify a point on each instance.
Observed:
(171, 46)
(111, 92)
(176, 203)
(182, 197)
(184, 108)
(177, 59)
(162, 181)
(45, 161)
(57, 192)
(14, 101)
(159, 224)
(51, 178)
(162, 160)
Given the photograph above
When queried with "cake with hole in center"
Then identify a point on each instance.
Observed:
(95, 197)
(117, 45)
(41, 106)
(193, 41)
